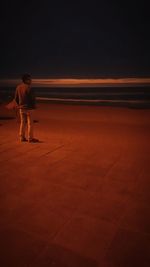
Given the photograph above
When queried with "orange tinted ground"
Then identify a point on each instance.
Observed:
(80, 197)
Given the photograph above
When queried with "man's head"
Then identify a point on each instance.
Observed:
(26, 78)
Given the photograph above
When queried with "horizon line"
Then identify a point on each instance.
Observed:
(60, 82)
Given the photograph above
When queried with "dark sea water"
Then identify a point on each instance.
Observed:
(138, 93)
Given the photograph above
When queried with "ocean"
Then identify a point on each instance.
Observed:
(85, 94)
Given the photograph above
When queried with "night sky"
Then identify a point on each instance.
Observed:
(58, 40)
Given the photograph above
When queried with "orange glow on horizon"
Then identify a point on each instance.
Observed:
(80, 82)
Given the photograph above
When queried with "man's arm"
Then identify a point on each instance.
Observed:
(16, 98)
(32, 99)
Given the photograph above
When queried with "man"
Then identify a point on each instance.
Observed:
(25, 99)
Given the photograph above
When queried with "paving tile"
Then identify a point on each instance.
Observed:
(126, 168)
(124, 189)
(108, 207)
(18, 249)
(129, 249)
(39, 220)
(72, 175)
(141, 192)
(49, 193)
(137, 217)
(87, 236)
(58, 256)
(7, 205)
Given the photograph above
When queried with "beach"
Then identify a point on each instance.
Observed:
(79, 197)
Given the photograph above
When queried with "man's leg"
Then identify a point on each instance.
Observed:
(30, 124)
(23, 118)
(31, 139)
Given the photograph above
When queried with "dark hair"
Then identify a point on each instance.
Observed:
(26, 77)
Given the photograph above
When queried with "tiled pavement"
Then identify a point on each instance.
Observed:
(81, 196)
